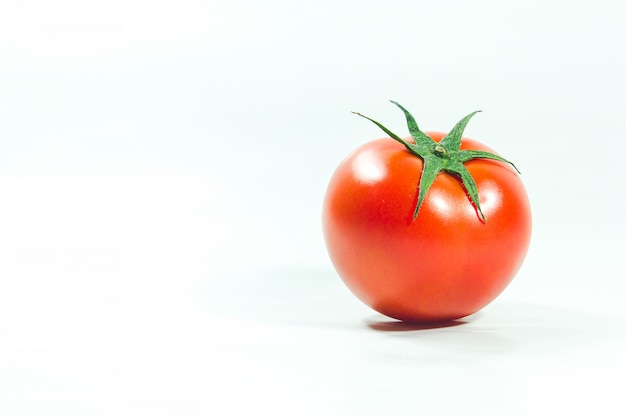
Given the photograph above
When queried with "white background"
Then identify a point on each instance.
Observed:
(162, 168)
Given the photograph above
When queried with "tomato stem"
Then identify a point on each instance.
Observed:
(440, 151)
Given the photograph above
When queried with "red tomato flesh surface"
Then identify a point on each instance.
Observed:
(445, 264)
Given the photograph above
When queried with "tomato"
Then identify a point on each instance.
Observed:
(446, 259)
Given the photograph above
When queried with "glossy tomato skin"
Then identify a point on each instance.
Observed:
(445, 264)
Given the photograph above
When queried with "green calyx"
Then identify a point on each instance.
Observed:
(443, 156)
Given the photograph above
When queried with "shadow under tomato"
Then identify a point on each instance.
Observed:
(384, 325)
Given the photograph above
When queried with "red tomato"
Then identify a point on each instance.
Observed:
(444, 264)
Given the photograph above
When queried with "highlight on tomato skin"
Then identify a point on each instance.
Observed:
(426, 255)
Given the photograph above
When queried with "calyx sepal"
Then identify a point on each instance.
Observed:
(442, 156)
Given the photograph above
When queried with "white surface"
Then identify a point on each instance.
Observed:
(162, 166)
